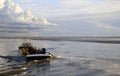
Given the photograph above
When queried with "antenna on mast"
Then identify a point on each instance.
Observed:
(26, 40)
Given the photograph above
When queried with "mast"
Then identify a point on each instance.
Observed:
(26, 40)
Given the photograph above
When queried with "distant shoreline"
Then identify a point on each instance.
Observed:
(97, 39)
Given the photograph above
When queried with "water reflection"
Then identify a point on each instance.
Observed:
(81, 59)
(15, 67)
(37, 69)
(9, 47)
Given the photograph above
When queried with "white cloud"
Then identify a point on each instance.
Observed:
(11, 12)
(1, 4)
(45, 21)
(71, 7)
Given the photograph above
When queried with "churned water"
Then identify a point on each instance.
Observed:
(77, 59)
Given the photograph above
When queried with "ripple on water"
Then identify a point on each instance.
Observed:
(10, 62)
(84, 67)
(71, 66)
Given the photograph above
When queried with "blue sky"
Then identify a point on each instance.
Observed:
(86, 17)
(70, 7)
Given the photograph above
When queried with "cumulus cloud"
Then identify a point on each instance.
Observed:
(11, 12)
(45, 21)
(1, 3)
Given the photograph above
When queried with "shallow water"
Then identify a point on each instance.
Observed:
(78, 58)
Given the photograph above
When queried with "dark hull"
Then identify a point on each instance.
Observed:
(37, 56)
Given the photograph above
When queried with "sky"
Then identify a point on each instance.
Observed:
(72, 17)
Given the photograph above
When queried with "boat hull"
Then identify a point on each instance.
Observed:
(37, 56)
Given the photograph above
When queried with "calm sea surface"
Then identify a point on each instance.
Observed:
(78, 58)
